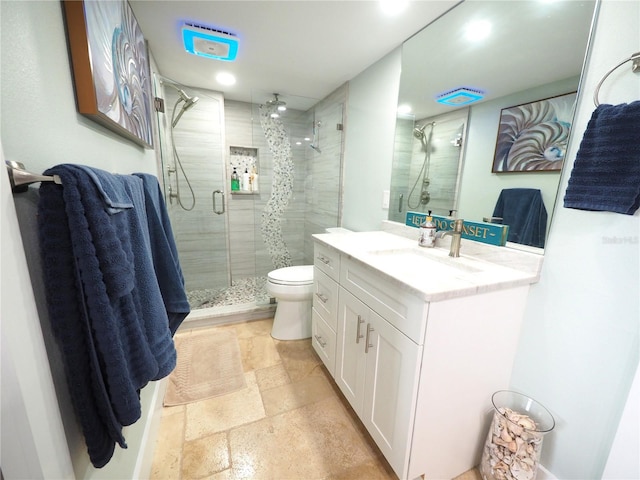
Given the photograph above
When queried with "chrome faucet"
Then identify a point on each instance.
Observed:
(456, 235)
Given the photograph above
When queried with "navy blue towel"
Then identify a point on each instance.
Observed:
(606, 172)
(524, 211)
(103, 299)
(165, 253)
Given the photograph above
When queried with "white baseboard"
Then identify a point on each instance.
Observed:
(544, 474)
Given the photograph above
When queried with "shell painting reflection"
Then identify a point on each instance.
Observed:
(533, 136)
(120, 67)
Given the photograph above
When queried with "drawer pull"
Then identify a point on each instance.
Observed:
(322, 298)
(324, 260)
(368, 345)
(358, 334)
(319, 339)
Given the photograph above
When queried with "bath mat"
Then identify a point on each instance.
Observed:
(209, 364)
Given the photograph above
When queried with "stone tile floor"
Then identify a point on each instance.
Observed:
(290, 423)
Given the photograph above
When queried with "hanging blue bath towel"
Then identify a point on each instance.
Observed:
(606, 173)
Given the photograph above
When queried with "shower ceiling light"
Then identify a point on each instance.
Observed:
(225, 78)
(209, 42)
(460, 96)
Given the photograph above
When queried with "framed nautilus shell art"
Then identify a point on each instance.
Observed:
(110, 66)
(532, 137)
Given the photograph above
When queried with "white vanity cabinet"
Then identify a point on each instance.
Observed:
(418, 368)
(324, 314)
(377, 370)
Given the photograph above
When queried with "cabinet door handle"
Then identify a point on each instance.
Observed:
(358, 334)
(368, 345)
(319, 339)
(323, 259)
(322, 298)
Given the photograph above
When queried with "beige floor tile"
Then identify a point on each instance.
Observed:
(176, 409)
(295, 395)
(299, 359)
(271, 377)
(224, 475)
(253, 329)
(168, 454)
(371, 470)
(258, 352)
(205, 456)
(299, 444)
(310, 432)
(473, 474)
(224, 412)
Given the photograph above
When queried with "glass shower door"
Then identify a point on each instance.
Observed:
(194, 176)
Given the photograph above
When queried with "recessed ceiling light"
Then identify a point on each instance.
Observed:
(393, 7)
(225, 78)
(477, 30)
(404, 109)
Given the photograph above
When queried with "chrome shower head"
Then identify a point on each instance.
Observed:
(276, 102)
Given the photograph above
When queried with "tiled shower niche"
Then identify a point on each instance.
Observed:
(242, 158)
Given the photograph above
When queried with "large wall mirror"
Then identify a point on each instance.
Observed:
(526, 69)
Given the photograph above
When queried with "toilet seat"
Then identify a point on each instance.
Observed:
(298, 275)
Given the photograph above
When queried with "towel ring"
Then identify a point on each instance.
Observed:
(635, 67)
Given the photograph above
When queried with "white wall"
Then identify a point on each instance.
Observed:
(579, 347)
(40, 128)
(370, 126)
(33, 441)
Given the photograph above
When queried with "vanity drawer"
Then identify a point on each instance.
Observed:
(328, 260)
(323, 340)
(325, 297)
(404, 310)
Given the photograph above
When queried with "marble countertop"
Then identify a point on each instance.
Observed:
(429, 272)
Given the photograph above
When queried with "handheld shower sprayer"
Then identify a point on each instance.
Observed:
(184, 97)
(418, 131)
(188, 103)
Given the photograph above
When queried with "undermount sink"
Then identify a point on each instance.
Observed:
(422, 259)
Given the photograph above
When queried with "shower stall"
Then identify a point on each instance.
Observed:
(228, 240)
(427, 165)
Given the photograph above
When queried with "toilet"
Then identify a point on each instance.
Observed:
(292, 287)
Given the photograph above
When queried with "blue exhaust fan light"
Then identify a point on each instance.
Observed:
(460, 96)
(209, 42)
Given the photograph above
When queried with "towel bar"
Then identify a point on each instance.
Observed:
(635, 67)
(20, 179)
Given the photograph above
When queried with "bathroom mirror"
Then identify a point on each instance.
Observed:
(534, 51)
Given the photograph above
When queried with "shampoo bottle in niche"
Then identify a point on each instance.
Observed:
(254, 179)
(427, 233)
(235, 181)
(245, 184)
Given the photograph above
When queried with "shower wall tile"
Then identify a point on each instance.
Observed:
(241, 208)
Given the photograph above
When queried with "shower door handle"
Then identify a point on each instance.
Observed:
(213, 197)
